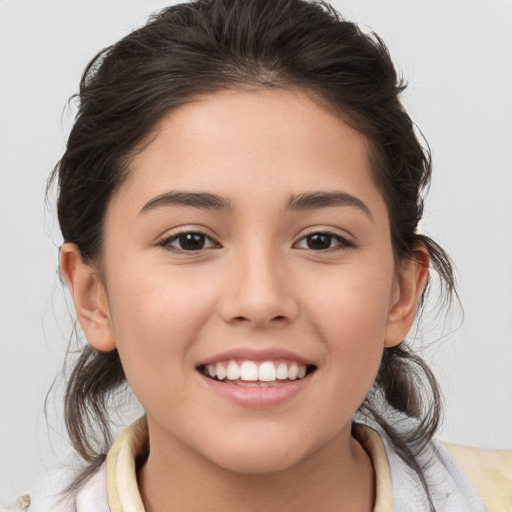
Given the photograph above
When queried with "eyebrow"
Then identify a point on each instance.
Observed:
(208, 201)
(202, 200)
(316, 200)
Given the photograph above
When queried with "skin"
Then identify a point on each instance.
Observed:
(256, 284)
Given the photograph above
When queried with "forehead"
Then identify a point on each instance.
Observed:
(237, 142)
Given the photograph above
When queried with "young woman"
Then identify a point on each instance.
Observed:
(239, 200)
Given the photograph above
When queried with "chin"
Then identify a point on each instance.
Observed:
(258, 461)
(261, 452)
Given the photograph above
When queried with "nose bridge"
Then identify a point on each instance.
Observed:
(259, 290)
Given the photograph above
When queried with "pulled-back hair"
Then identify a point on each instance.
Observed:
(207, 46)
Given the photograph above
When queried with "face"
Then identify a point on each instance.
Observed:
(248, 279)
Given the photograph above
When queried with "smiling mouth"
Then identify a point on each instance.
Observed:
(256, 374)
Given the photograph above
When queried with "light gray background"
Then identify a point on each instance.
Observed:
(457, 57)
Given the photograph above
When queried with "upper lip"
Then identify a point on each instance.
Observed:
(255, 354)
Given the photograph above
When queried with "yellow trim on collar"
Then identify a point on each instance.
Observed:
(123, 491)
(371, 441)
(122, 488)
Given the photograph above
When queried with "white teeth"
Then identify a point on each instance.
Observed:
(249, 371)
(293, 371)
(233, 372)
(282, 371)
(221, 371)
(267, 372)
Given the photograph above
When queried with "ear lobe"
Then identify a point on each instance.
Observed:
(408, 288)
(88, 294)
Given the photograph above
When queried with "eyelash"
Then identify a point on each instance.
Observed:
(166, 243)
(343, 243)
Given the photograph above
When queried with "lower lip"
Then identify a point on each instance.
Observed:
(257, 397)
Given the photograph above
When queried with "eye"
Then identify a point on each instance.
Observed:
(323, 242)
(189, 241)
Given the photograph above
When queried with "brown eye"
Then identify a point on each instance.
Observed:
(318, 241)
(323, 242)
(188, 242)
(191, 241)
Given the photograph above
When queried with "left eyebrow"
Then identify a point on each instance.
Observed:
(316, 200)
(201, 200)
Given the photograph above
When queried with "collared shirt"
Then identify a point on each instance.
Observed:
(113, 488)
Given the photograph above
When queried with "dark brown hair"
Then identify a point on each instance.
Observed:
(210, 45)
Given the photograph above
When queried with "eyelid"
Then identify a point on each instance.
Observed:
(165, 240)
(172, 235)
(345, 242)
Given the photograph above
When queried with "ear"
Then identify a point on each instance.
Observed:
(409, 284)
(89, 297)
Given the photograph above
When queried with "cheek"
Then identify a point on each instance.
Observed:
(352, 302)
(349, 315)
(155, 318)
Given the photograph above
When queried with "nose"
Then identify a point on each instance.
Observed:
(259, 291)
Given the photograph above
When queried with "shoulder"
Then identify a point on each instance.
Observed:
(458, 479)
(490, 471)
(47, 495)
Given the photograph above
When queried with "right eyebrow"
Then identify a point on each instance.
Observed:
(201, 200)
(325, 199)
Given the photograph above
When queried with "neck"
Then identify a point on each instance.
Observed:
(337, 477)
